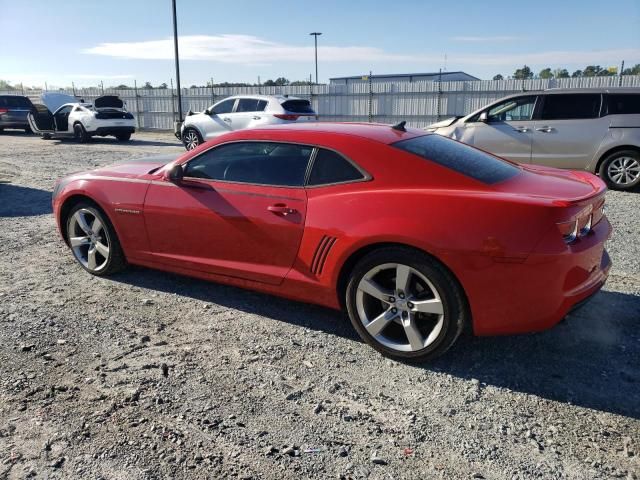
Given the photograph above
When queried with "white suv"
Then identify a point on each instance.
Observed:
(243, 111)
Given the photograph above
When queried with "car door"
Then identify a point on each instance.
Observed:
(569, 130)
(239, 211)
(61, 118)
(248, 112)
(505, 129)
(219, 119)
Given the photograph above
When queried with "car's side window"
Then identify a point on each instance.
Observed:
(225, 106)
(262, 163)
(251, 105)
(515, 109)
(621, 104)
(570, 106)
(330, 167)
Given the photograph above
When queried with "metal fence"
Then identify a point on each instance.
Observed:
(419, 103)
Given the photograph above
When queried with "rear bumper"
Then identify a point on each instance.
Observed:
(120, 130)
(536, 294)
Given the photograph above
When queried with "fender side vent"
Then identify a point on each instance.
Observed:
(321, 253)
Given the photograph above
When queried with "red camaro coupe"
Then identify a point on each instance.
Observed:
(417, 236)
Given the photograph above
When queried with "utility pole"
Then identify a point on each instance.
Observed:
(620, 74)
(175, 48)
(315, 41)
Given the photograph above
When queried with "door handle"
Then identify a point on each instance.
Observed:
(545, 129)
(228, 120)
(521, 129)
(256, 118)
(281, 209)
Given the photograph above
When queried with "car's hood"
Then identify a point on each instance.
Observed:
(54, 100)
(135, 167)
(108, 101)
(441, 124)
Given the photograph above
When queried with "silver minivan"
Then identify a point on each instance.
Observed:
(597, 130)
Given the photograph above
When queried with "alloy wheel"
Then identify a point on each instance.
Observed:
(89, 239)
(624, 170)
(400, 307)
(191, 140)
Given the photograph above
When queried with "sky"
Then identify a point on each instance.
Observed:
(89, 41)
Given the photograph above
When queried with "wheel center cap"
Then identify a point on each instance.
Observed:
(402, 304)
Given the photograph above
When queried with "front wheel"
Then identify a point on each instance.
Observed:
(93, 240)
(405, 304)
(191, 139)
(621, 170)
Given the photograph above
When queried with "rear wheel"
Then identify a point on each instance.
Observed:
(621, 170)
(123, 137)
(80, 134)
(405, 304)
(93, 240)
(191, 138)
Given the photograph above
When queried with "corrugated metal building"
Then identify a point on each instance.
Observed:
(406, 77)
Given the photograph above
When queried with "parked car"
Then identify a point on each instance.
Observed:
(596, 130)
(75, 118)
(13, 112)
(417, 236)
(240, 112)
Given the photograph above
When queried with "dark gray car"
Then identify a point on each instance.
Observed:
(13, 112)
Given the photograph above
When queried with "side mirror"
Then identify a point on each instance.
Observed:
(175, 174)
(484, 117)
(209, 112)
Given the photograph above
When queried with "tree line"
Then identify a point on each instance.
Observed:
(525, 73)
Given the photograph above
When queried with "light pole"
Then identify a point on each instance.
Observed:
(315, 39)
(175, 47)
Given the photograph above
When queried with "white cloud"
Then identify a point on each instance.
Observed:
(251, 50)
(239, 49)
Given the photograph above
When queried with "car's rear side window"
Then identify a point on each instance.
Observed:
(621, 104)
(251, 105)
(570, 106)
(298, 106)
(459, 157)
(330, 167)
(15, 101)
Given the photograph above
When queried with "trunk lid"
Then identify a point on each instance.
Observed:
(547, 183)
(108, 101)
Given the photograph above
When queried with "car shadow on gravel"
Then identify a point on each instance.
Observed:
(590, 360)
(136, 142)
(17, 201)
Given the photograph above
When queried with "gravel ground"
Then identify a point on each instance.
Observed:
(148, 375)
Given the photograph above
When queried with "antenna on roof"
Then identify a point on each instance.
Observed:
(400, 126)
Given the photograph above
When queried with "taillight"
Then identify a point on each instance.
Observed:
(581, 224)
(286, 116)
(3, 110)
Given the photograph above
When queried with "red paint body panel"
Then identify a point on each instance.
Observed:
(500, 241)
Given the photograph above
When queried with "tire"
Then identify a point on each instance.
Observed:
(46, 136)
(432, 288)
(621, 170)
(123, 137)
(80, 134)
(88, 240)
(191, 138)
